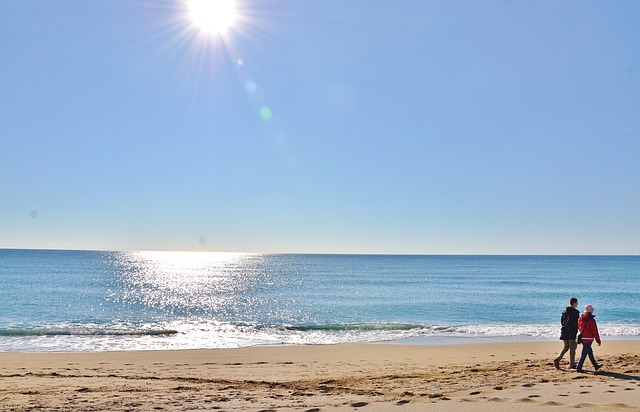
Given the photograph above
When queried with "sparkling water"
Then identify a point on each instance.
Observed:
(94, 301)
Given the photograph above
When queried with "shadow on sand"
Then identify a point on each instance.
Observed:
(615, 375)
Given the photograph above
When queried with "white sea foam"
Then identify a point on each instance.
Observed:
(204, 335)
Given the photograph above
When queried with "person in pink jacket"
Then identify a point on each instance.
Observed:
(589, 332)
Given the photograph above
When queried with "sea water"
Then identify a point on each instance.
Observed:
(97, 301)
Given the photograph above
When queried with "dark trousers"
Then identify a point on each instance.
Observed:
(587, 351)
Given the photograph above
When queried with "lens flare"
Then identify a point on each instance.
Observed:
(212, 16)
(266, 114)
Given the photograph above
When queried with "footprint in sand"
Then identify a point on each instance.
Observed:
(359, 404)
(552, 403)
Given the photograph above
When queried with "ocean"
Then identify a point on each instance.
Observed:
(70, 301)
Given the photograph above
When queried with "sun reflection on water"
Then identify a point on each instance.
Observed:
(200, 283)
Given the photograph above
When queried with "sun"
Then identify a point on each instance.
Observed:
(212, 16)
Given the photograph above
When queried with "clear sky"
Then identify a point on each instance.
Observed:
(329, 126)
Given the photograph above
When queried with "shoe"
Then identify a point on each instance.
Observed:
(597, 367)
(574, 367)
(580, 371)
(556, 363)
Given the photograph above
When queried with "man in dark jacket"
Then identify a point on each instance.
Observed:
(568, 333)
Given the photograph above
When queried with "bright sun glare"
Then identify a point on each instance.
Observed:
(212, 16)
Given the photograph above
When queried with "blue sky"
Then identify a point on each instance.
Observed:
(329, 126)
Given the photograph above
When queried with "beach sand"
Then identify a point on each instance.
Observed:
(349, 377)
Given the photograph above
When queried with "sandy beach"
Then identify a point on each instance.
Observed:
(366, 377)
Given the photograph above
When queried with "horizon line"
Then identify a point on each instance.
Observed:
(323, 253)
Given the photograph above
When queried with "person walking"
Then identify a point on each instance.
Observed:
(568, 332)
(589, 332)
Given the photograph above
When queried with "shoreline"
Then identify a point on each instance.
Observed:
(412, 340)
(367, 377)
(470, 340)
